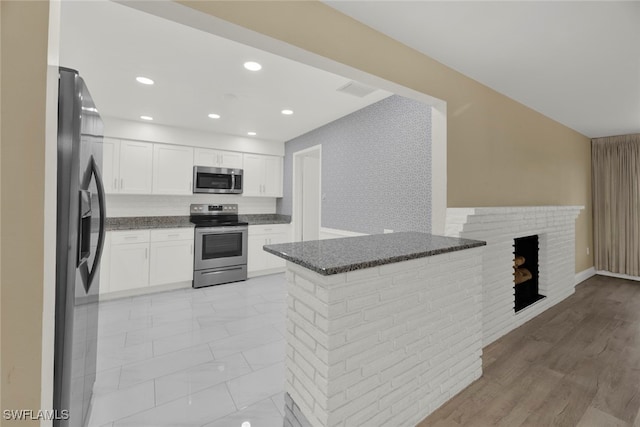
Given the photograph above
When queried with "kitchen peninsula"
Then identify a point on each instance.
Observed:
(381, 329)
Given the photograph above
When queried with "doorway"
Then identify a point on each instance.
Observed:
(307, 193)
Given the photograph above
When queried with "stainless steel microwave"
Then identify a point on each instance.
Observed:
(217, 180)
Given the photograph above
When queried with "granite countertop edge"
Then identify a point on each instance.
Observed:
(159, 222)
(468, 244)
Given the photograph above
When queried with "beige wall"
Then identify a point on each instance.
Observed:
(500, 153)
(23, 37)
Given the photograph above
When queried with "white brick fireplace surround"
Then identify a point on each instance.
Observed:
(499, 226)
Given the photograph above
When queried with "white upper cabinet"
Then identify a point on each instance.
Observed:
(217, 158)
(273, 176)
(262, 176)
(110, 164)
(135, 167)
(136, 160)
(253, 175)
(230, 159)
(172, 169)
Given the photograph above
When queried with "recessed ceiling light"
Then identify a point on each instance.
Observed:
(252, 66)
(246, 424)
(287, 112)
(214, 116)
(144, 80)
(251, 133)
(146, 118)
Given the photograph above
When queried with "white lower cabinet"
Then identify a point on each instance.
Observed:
(105, 265)
(259, 261)
(171, 256)
(138, 259)
(129, 267)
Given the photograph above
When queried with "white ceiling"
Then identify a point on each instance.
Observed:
(195, 73)
(577, 62)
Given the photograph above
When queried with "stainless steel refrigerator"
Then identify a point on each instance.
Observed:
(80, 239)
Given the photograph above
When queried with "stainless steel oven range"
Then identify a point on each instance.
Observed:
(220, 245)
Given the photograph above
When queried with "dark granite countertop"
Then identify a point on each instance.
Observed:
(335, 256)
(149, 222)
(265, 219)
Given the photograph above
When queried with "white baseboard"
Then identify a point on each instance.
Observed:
(146, 290)
(258, 273)
(618, 275)
(584, 275)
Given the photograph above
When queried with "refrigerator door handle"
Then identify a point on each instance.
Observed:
(101, 232)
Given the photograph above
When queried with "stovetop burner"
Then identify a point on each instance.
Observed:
(203, 215)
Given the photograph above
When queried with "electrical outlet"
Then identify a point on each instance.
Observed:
(587, 250)
(387, 231)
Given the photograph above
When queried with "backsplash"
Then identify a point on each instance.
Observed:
(376, 168)
(119, 205)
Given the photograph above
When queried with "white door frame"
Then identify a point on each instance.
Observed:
(296, 199)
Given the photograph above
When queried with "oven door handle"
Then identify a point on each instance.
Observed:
(220, 271)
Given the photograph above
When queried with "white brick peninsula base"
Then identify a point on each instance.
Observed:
(499, 226)
(381, 344)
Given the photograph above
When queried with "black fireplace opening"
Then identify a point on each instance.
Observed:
(525, 272)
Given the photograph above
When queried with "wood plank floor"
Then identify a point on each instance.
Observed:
(577, 364)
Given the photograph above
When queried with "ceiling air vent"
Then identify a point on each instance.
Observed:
(356, 89)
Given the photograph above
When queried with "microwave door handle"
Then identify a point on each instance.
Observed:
(233, 182)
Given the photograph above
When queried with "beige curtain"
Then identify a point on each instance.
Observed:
(616, 203)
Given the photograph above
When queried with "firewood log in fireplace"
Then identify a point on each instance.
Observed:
(518, 261)
(521, 275)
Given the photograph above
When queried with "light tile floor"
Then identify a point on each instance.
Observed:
(209, 357)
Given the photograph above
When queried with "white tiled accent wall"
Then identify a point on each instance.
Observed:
(363, 172)
(385, 345)
(119, 205)
(499, 226)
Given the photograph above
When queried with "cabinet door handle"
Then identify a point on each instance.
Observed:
(191, 249)
(173, 235)
(146, 253)
(121, 183)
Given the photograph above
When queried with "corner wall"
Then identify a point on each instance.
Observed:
(24, 45)
(500, 153)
